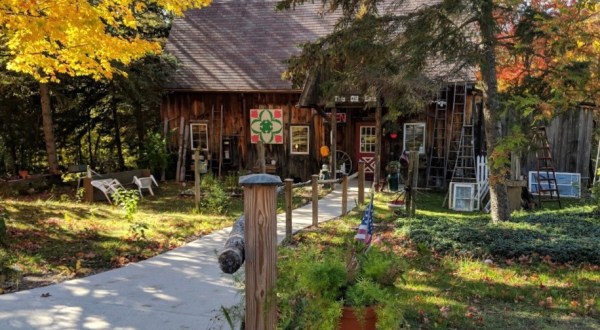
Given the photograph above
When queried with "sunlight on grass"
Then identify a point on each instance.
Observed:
(420, 288)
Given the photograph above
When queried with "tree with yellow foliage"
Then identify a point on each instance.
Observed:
(47, 39)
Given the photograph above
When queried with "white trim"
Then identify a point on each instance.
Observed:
(372, 129)
(468, 206)
(192, 141)
(306, 128)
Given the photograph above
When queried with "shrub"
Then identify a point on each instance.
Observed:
(154, 154)
(565, 236)
(214, 197)
(3, 218)
(128, 201)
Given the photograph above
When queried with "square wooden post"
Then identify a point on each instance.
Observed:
(361, 182)
(288, 207)
(315, 200)
(260, 236)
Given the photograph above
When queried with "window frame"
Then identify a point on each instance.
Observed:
(404, 132)
(293, 128)
(363, 142)
(573, 185)
(469, 201)
(192, 140)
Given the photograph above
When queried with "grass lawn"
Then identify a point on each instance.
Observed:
(51, 237)
(539, 271)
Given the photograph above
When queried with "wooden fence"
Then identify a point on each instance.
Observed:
(259, 245)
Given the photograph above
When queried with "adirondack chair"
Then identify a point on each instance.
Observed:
(107, 187)
(145, 183)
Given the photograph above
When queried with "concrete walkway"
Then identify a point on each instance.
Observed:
(181, 289)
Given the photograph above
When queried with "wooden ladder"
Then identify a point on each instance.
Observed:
(457, 122)
(597, 164)
(546, 175)
(436, 167)
(464, 166)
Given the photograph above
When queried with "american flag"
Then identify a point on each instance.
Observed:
(365, 230)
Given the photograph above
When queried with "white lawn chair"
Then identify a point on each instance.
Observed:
(107, 187)
(145, 183)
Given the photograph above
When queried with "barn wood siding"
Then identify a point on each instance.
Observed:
(570, 138)
(196, 107)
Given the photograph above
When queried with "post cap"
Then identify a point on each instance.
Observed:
(260, 180)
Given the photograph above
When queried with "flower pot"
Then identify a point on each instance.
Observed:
(349, 321)
(393, 180)
(23, 174)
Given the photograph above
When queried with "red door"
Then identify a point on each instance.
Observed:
(365, 147)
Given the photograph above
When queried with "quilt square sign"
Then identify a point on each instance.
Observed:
(266, 126)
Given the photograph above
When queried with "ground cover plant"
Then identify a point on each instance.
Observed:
(52, 236)
(539, 271)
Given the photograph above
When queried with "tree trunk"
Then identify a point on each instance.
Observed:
(139, 127)
(118, 143)
(232, 256)
(48, 129)
(377, 174)
(491, 111)
(92, 161)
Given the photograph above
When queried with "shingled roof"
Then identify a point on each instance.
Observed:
(241, 45)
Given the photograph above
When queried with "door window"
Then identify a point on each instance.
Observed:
(367, 139)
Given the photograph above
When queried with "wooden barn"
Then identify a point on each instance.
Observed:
(232, 57)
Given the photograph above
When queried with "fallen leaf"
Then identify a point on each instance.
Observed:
(444, 310)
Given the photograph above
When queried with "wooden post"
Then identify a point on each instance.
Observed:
(344, 193)
(377, 174)
(196, 179)
(515, 167)
(315, 199)
(361, 182)
(260, 148)
(89, 190)
(288, 208)
(413, 177)
(180, 150)
(221, 142)
(333, 138)
(260, 238)
(163, 171)
(186, 132)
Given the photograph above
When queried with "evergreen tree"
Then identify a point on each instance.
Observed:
(395, 43)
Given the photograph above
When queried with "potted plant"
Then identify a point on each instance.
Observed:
(324, 288)
(393, 177)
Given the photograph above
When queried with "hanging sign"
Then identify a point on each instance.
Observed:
(354, 98)
(266, 126)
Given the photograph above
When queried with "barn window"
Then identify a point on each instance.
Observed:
(299, 139)
(199, 136)
(414, 137)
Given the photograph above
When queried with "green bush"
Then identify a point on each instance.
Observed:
(314, 282)
(3, 218)
(128, 201)
(214, 197)
(154, 153)
(565, 236)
